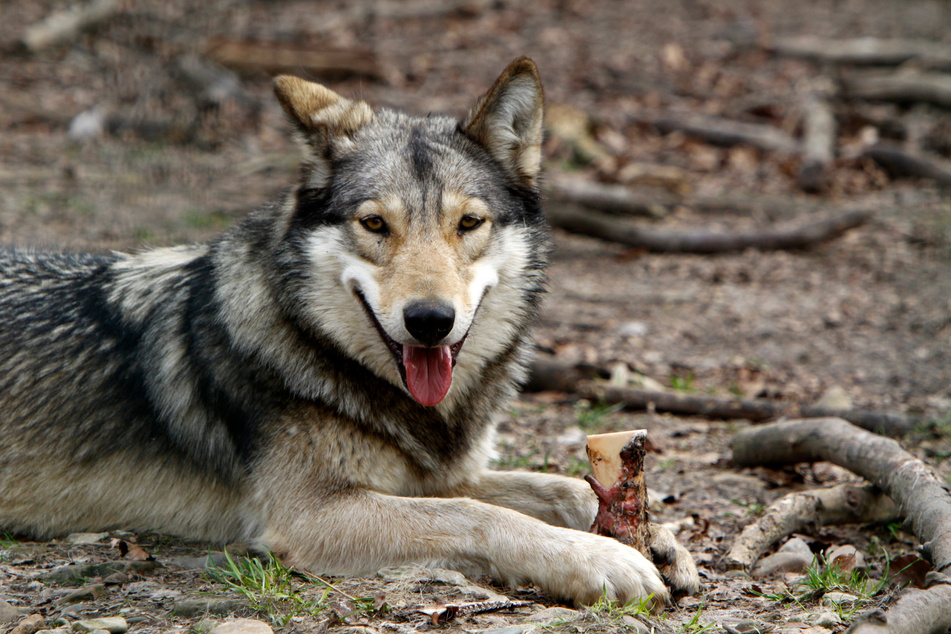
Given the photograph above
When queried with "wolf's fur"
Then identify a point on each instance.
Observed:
(253, 387)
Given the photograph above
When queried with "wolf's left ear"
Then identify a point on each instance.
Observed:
(325, 119)
(507, 121)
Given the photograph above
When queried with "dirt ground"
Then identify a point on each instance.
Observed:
(867, 317)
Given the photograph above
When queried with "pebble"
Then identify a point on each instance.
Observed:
(79, 539)
(111, 624)
(242, 626)
(835, 599)
(8, 613)
(89, 592)
(781, 562)
(512, 629)
(194, 607)
(824, 619)
(29, 625)
(551, 615)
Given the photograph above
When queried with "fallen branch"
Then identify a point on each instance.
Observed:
(64, 26)
(899, 163)
(255, 56)
(552, 375)
(818, 144)
(901, 87)
(727, 409)
(920, 496)
(606, 227)
(915, 612)
(614, 199)
(796, 512)
(727, 132)
(864, 51)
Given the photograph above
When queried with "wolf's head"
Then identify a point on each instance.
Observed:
(423, 236)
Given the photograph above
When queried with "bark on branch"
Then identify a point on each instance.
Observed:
(920, 496)
(64, 26)
(901, 87)
(796, 512)
(865, 51)
(752, 410)
(727, 132)
(899, 162)
(607, 227)
(614, 199)
(915, 612)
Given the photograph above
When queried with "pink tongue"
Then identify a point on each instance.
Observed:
(428, 373)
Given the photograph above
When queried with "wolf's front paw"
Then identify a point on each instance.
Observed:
(602, 567)
(674, 562)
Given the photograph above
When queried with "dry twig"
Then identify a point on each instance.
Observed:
(901, 87)
(795, 512)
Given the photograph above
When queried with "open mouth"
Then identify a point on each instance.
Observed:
(426, 371)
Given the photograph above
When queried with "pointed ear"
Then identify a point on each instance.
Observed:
(324, 118)
(507, 121)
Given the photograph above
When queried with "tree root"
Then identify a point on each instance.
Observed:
(920, 496)
(793, 513)
(607, 227)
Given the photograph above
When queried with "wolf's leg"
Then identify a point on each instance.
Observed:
(359, 532)
(569, 502)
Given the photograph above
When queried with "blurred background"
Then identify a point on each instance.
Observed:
(128, 124)
(750, 198)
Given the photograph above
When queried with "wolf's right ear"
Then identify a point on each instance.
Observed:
(507, 121)
(325, 119)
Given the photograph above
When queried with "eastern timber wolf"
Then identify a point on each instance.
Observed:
(326, 376)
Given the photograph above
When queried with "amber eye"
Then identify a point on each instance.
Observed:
(374, 224)
(468, 223)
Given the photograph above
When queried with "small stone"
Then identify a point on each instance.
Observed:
(781, 562)
(633, 329)
(512, 629)
(796, 545)
(112, 624)
(827, 620)
(835, 599)
(90, 592)
(573, 437)
(204, 625)
(8, 613)
(420, 574)
(194, 607)
(242, 626)
(551, 615)
(29, 625)
(81, 539)
(635, 625)
(835, 398)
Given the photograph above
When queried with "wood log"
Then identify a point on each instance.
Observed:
(614, 199)
(727, 132)
(607, 227)
(921, 497)
(617, 463)
(899, 163)
(901, 87)
(259, 56)
(756, 410)
(915, 612)
(818, 144)
(61, 27)
(864, 51)
(796, 512)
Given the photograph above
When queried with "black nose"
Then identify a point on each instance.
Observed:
(429, 321)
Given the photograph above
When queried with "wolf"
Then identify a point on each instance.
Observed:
(325, 377)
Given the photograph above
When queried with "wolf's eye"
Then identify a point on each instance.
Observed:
(374, 224)
(468, 223)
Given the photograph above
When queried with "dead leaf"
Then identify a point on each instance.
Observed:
(909, 569)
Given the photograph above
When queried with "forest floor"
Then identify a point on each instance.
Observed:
(862, 321)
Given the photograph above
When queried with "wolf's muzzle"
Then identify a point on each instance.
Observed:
(429, 321)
